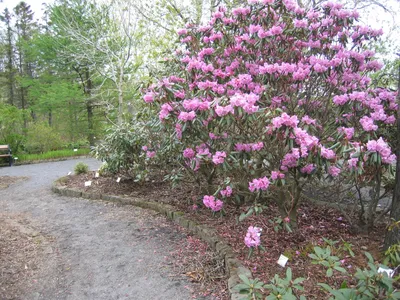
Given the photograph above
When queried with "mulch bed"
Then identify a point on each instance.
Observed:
(22, 255)
(315, 223)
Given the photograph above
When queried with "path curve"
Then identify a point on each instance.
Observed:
(101, 251)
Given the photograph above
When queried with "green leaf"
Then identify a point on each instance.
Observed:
(289, 274)
(329, 272)
(245, 279)
(340, 269)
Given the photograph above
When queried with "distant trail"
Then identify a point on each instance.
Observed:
(100, 251)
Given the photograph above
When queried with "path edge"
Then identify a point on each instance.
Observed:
(233, 265)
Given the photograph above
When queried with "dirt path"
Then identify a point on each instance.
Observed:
(90, 250)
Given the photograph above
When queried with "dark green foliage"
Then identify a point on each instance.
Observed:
(81, 168)
(122, 149)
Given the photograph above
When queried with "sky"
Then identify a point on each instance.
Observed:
(36, 6)
(374, 17)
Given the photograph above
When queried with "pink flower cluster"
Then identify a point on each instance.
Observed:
(219, 157)
(259, 184)
(348, 132)
(381, 147)
(308, 169)
(368, 124)
(249, 147)
(285, 119)
(212, 203)
(186, 116)
(189, 153)
(252, 238)
(234, 88)
(246, 101)
(227, 192)
(277, 175)
(150, 154)
(333, 171)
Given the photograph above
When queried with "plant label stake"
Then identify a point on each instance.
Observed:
(88, 183)
(389, 272)
(69, 173)
(118, 179)
(96, 175)
(282, 260)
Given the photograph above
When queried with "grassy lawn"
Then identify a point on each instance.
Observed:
(51, 155)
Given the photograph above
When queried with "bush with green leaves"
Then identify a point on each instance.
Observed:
(126, 149)
(81, 168)
(322, 256)
(11, 127)
(42, 138)
(280, 288)
(392, 256)
(371, 284)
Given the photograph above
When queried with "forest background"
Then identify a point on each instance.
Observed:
(79, 69)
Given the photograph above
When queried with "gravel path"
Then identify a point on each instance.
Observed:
(98, 250)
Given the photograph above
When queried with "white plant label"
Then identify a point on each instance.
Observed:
(389, 272)
(16, 158)
(97, 175)
(282, 260)
(88, 183)
(75, 150)
(118, 179)
(69, 173)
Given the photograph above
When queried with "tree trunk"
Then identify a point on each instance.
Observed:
(89, 107)
(120, 95)
(393, 235)
(50, 118)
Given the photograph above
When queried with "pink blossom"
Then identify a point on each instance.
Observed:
(381, 147)
(212, 203)
(150, 154)
(259, 184)
(327, 153)
(352, 162)
(182, 31)
(333, 171)
(149, 97)
(178, 131)
(368, 124)
(219, 157)
(252, 238)
(290, 159)
(308, 169)
(189, 153)
(307, 120)
(187, 116)
(227, 192)
(223, 110)
(285, 119)
(203, 150)
(277, 175)
(349, 132)
(144, 148)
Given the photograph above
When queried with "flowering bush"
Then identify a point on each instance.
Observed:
(271, 95)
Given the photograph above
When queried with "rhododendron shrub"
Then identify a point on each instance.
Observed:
(270, 95)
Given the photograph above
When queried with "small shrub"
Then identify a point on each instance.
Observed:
(42, 138)
(81, 168)
(392, 256)
(103, 170)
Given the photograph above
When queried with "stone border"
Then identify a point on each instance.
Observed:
(233, 266)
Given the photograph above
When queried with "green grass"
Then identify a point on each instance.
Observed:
(51, 155)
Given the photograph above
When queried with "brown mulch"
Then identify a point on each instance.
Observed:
(22, 255)
(315, 223)
(6, 181)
